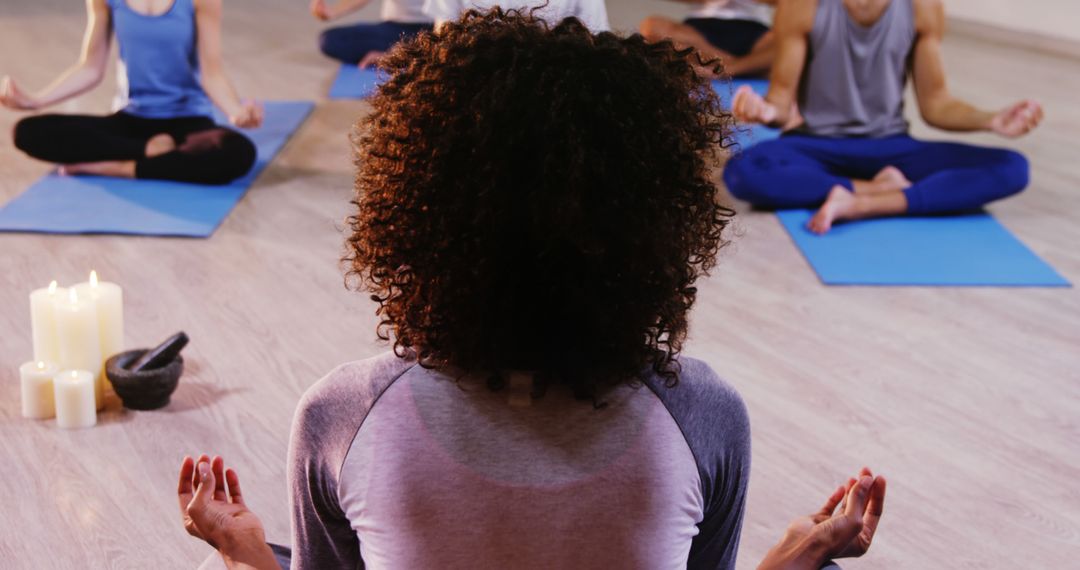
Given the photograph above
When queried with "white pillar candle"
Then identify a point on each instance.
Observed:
(43, 322)
(74, 394)
(109, 298)
(80, 346)
(37, 389)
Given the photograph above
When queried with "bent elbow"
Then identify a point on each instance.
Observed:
(932, 119)
(93, 71)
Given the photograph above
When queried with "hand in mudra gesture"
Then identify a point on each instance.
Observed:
(13, 97)
(749, 107)
(1017, 119)
(831, 533)
(212, 506)
(250, 116)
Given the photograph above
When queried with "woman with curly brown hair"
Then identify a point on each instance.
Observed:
(534, 206)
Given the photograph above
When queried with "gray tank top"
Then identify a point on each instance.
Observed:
(853, 84)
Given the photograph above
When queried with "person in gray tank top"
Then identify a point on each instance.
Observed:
(536, 270)
(844, 64)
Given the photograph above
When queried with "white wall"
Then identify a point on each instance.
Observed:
(1054, 18)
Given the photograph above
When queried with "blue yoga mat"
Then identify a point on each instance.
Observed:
(726, 88)
(745, 135)
(354, 83)
(964, 250)
(104, 205)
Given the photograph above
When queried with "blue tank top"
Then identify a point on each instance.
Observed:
(158, 73)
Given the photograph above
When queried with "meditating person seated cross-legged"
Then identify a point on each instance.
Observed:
(592, 13)
(534, 208)
(364, 44)
(846, 62)
(170, 70)
(736, 32)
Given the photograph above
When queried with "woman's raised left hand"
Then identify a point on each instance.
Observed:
(250, 115)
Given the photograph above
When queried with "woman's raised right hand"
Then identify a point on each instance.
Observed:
(320, 10)
(12, 97)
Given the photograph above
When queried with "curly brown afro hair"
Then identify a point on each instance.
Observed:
(537, 198)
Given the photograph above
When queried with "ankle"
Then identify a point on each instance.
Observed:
(159, 144)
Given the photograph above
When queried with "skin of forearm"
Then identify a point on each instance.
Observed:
(753, 62)
(793, 553)
(347, 7)
(783, 107)
(77, 80)
(248, 553)
(220, 90)
(257, 560)
(951, 114)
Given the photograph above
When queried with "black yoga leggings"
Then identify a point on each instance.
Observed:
(205, 152)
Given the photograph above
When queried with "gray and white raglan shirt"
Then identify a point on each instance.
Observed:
(392, 465)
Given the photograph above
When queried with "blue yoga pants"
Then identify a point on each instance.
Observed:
(797, 171)
(351, 43)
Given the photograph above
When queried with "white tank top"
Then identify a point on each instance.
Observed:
(404, 12)
(735, 10)
(592, 13)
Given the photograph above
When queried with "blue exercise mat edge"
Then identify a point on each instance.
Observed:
(1013, 253)
(206, 213)
(351, 82)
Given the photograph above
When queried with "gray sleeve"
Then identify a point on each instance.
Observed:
(714, 422)
(327, 419)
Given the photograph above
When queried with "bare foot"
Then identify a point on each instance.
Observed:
(890, 179)
(159, 145)
(839, 205)
(117, 168)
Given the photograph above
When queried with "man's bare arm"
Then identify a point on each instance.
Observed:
(938, 107)
(794, 20)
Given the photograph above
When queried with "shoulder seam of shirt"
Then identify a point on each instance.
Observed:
(352, 440)
(686, 439)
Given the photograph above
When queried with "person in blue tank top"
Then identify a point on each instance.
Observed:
(845, 63)
(170, 75)
(366, 43)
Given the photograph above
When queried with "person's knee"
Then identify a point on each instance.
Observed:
(236, 156)
(734, 177)
(27, 135)
(217, 156)
(1012, 171)
(743, 177)
(330, 43)
(656, 28)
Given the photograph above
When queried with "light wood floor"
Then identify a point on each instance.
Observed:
(968, 399)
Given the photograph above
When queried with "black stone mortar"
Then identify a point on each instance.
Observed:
(146, 389)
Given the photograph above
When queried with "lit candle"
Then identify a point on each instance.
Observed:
(109, 298)
(74, 394)
(80, 346)
(37, 389)
(43, 322)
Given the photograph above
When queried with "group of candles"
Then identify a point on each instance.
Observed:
(75, 330)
